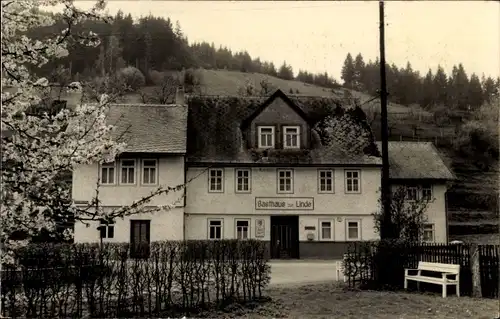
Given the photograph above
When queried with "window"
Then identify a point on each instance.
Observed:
(107, 230)
(352, 181)
(215, 229)
(215, 180)
(411, 193)
(128, 172)
(353, 231)
(242, 229)
(285, 181)
(325, 178)
(242, 180)
(108, 173)
(427, 192)
(266, 137)
(325, 228)
(291, 136)
(428, 233)
(149, 171)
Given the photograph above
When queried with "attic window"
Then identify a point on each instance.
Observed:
(266, 137)
(291, 137)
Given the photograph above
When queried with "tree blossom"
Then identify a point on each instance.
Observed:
(40, 145)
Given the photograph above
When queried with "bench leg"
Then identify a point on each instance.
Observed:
(444, 290)
(418, 285)
(458, 290)
(406, 283)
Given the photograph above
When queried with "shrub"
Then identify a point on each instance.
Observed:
(176, 276)
(133, 78)
(477, 142)
(156, 77)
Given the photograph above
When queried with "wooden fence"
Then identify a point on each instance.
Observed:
(385, 263)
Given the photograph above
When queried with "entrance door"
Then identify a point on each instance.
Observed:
(284, 237)
(140, 238)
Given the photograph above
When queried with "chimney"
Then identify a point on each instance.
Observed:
(179, 96)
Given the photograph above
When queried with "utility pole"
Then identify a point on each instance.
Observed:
(386, 229)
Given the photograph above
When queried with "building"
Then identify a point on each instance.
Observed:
(419, 167)
(254, 168)
(155, 156)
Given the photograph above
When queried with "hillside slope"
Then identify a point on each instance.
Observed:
(223, 82)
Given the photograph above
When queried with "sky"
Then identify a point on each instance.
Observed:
(316, 36)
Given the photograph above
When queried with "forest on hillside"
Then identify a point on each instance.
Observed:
(157, 44)
(406, 86)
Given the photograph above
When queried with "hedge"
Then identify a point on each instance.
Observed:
(171, 278)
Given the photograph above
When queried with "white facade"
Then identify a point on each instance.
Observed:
(435, 212)
(164, 225)
(337, 206)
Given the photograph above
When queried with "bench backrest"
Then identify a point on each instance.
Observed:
(428, 266)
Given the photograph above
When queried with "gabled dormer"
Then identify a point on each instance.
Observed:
(278, 124)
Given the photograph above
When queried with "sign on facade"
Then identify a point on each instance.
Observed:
(260, 228)
(284, 203)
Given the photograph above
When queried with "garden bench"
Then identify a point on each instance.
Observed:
(445, 270)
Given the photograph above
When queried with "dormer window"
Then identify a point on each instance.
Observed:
(291, 137)
(266, 137)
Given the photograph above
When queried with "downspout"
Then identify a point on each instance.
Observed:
(446, 214)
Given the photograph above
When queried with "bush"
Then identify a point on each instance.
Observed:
(174, 278)
(479, 143)
(156, 77)
(133, 78)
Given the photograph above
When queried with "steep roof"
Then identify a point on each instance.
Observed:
(416, 160)
(215, 133)
(148, 128)
(278, 94)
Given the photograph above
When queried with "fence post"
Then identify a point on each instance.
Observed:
(476, 271)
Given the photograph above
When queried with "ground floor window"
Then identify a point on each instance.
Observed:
(242, 228)
(215, 228)
(353, 229)
(428, 233)
(107, 230)
(326, 230)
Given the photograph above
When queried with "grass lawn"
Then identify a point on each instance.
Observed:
(332, 301)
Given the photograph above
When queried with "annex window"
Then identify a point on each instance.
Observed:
(215, 229)
(291, 137)
(427, 192)
(107, 230)
(242, 229)
(266, 137)
(127, 171)
(353, 230)
(242, 180)
(326, 230)
(352, 181)
(215, 180)
(108, 173)
(285, 181)
(412, 193)
(325, 181)
(428, 233)
(149, 171)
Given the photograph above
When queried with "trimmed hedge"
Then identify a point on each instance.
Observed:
(171, 278)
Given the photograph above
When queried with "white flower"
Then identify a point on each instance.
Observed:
(41, 82)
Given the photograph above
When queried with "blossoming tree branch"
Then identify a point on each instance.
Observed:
(39, 146)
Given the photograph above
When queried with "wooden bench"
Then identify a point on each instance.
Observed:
(446, 270)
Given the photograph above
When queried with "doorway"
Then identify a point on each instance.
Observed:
(140, 237)
(284, 237)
